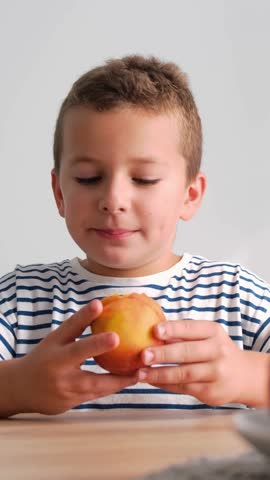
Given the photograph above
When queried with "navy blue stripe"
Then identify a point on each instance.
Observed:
(7, 345)
(105, 287)
(187, 289)
(145, 390)
(8, 299)
(211, 263)
(248, 333)
(251, 305)
(162, 297)
(61, 266)
(10, 312)
(43, 267)
(63, 273)
(56, 322)
(142, 406)
(251, 274)
(236, 338)
(199, 297)
(253, 283)
(1, 356)
(229, 323)
(204, 275)
(201, 309)
(263, 345)
(259, 331)
(230, 265)
(119, 287)
(12, 275)
(70, 289)
(6, 278)
(49, 279)
(8, 327)
(90, 362)
(250, 319)
(7, 287)
(51, 300)
(29, 342)
(40, 312)
(229, 273)
(166, 310)
(214, 265)
(260, 297)
(78, 302)
(34, 327)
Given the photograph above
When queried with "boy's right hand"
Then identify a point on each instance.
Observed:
(50, 379)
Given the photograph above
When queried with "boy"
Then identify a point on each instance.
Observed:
(127, 153)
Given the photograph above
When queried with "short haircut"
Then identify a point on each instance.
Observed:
(138, 82)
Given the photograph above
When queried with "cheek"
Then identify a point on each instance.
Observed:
(154, 213)
(161, 211)
(147, 209)
(160, 203)
(75, 206)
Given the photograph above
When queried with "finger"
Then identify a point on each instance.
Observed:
(171, 387)
(180, 374)
(77, 352)
(203, 391)
(183, 388)
(186, 329)
(77, 323)
(101, 384)
(183, 352)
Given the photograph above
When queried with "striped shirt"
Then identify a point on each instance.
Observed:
(36, 299)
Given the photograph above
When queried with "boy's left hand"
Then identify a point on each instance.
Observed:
(209, 365)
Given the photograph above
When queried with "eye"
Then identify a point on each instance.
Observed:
(88, 181)
(96, 179)
(144, 181)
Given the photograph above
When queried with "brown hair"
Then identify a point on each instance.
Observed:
(137, 81)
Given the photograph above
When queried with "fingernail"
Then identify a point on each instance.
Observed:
(161, 330)
(94, 304)
(148, 356)
(142, 375)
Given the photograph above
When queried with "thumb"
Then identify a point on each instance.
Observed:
(77, 323)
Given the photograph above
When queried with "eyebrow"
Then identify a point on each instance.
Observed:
(92, 160)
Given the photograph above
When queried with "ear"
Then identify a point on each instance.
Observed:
(57, 192)
(194, 195)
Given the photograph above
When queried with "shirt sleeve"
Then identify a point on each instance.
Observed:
(8, 317)
(7, 339)
(261, 340)
(255, 311)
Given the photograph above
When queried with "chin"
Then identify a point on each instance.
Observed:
(108, 265)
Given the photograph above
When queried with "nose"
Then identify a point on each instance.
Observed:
(114, 198)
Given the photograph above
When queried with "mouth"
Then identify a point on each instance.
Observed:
(117, 233)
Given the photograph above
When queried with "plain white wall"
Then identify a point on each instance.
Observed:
(222, 45)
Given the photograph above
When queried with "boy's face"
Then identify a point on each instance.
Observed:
(122, 188)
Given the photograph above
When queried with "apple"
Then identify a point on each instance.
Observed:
(132, 317)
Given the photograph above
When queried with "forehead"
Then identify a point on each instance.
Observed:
(126, 131)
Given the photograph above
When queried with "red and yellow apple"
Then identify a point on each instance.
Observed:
(132, 317)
